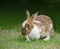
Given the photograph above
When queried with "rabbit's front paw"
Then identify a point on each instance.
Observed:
(27, 38)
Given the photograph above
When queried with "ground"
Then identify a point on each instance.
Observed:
(12, 39)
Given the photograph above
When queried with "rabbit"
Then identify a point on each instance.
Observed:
(37, 27)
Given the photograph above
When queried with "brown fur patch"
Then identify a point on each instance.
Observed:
(45, 20)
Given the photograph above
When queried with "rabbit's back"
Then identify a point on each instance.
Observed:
(45, 20)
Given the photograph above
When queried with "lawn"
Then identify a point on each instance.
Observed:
(12, 39)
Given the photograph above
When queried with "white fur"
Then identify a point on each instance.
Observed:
(23, 24)
(37, 21)
(50, 26)
(35, 33)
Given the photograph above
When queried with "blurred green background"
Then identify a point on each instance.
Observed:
(12, 12)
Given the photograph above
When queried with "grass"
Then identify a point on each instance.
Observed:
(12, 39)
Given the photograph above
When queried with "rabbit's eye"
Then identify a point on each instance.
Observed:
(28, 25)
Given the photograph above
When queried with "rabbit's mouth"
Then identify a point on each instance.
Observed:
(25, 31)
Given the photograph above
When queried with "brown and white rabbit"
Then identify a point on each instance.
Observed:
(37, 26)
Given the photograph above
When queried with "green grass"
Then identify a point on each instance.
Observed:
(12, 39)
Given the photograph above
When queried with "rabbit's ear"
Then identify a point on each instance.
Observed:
(34, 16)
(27, 14)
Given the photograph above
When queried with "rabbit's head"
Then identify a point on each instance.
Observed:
(27, 25)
